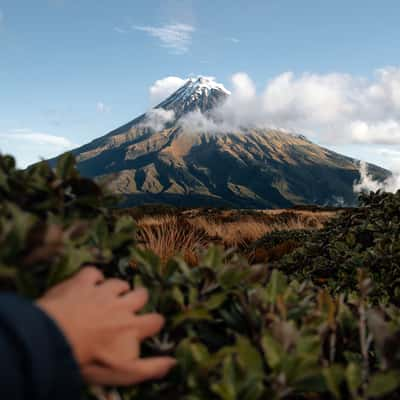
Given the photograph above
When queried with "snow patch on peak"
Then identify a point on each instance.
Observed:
(197, 94)
(207, 83)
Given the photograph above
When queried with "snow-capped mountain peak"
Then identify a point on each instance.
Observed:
(204, 83)
(197, 94)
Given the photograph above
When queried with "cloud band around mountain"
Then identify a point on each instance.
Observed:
(331, 108)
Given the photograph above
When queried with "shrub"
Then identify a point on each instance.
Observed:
(367, 237)
(52, 223)
(238, 331)
(247, 332)
(273, 246)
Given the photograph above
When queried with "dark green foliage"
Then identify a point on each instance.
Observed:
(278, 237)
(273, 246)
(367, 237)
(248, 332)
(53, 222)
(238, 331)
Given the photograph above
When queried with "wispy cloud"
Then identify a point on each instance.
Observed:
(120, 30)
(177, 38)
(157, 118)
(102, 107)
(29, 146)
(234, 40)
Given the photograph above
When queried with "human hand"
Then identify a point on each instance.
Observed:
(97, 317)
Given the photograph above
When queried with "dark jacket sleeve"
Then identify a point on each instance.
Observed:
(36, 361)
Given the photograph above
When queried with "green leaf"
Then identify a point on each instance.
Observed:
(309, 346)
(178, 296)
(353, 378)
(310, 380)
(214, 257)
(231, 277)
(196, 314)
(249, 357)
(383, 383)
(215, 301)
(66, 166)
(272, 349)
(71, 263)
(276, 286)
(334, 376)
(226, 388)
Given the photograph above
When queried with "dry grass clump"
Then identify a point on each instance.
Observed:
(249, 229)
(232, 234)
(168, 236)
(189, 232)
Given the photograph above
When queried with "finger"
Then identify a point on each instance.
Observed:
(86, 276)
(148, 325)
(128, 373)
(136, 299)
(152, 368)
(115, 286)
(90, 275)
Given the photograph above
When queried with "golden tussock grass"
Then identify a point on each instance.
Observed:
(167, 237)
(188, 233)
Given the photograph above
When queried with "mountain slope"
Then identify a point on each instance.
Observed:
(253, 168)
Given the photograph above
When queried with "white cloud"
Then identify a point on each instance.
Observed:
(234, 40)
(368, 184)
(177, 38)
(163, 88)
(333, 109)
(157, 118)
(383, 132)
(29, 146)
(102, 108)
(195, 122)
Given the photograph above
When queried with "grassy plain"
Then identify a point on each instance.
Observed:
(187, 232)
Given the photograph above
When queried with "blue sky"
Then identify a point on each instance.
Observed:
(71, 71)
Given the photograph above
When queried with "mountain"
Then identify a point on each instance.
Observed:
(155, 159)
(201, 94)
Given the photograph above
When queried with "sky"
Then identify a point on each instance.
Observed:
(72, 70)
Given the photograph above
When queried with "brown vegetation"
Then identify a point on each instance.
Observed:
(188, 232)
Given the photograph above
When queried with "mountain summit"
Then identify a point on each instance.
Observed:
(197, 94)
(155, 159)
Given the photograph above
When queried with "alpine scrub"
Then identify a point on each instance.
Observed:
(329, 329)
(248, 332)
(54, 222)
(366, 237)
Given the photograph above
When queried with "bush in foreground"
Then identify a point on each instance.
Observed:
(367, 237)
(238, 331)
(246, 332)
(53, 222)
